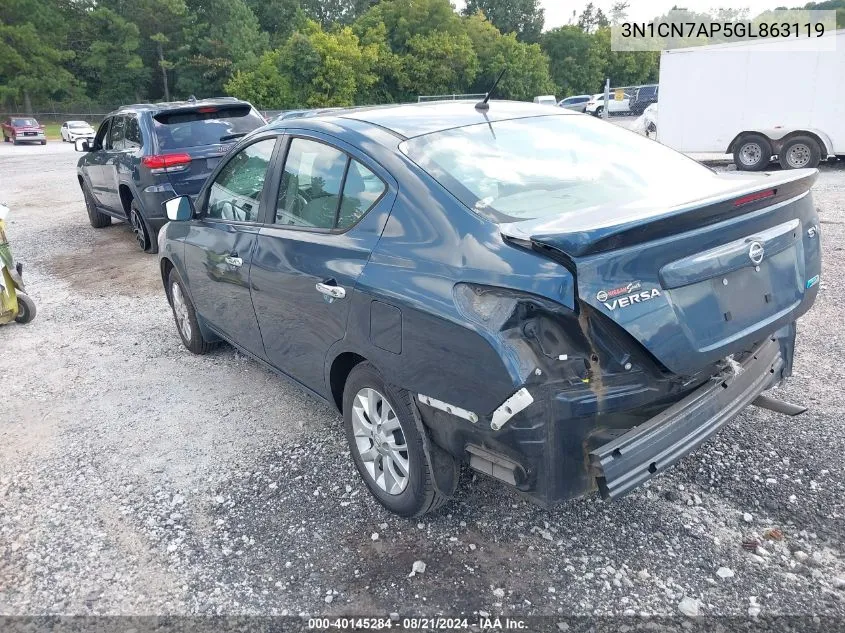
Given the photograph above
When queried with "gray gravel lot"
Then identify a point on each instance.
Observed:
(136, 478)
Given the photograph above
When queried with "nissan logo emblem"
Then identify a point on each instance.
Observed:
(602, 295)
(755, 252)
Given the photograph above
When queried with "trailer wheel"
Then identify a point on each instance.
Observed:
(800, 152)
(752, 153)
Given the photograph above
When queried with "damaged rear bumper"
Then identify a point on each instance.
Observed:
(626, 462)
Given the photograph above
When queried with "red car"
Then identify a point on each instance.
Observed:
(23, 130)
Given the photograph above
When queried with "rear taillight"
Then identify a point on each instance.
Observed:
(754, 197)
(167, 162)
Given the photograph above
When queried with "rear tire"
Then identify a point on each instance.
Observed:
(753, 153)
(800, 152)
(97, 219)
(599, 111)
(143, 236)
(384, 441)
(186, 317)
(26, 309)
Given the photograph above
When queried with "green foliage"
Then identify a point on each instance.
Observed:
(312, 53)
(313, 68)
(523, 17)
(221, 37)
(108, 62)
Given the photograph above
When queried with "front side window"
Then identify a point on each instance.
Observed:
(116, 133)
(100, 139)
(555, 166)
(236, 192)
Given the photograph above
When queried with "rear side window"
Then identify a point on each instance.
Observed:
(323, 188)
(205, 125)
(132, 139)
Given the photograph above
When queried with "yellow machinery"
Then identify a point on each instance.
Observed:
(15, 304)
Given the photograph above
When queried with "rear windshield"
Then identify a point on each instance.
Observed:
(24, 122)
(204, 126)
(547, 166)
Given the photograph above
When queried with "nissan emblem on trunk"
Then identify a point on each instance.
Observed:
(755, 252)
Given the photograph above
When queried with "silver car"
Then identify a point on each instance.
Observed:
(577, 102)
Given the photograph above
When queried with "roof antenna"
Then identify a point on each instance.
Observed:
(483, 106)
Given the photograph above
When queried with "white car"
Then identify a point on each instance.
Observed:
(546, 100)
(72, 130)
(595, 105)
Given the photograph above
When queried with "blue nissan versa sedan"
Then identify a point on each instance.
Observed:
(147, 153)
(494, 287)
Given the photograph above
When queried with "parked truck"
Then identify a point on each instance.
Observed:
(758, 100)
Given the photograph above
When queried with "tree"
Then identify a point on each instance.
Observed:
(278, 18)
(222, 36)
(526, 66)
(314, 68)
(161, 25)
(109, 63)
(523, 17)
(619, 12)
(576, 61)
(33, 52)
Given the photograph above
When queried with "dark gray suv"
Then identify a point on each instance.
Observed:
(145, 154)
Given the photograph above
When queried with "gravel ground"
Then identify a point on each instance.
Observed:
(136, 478)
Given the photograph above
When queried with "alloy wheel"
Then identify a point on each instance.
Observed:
(180, 310)
(380, 441)
(138, 229)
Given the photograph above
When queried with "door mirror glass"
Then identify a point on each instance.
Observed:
(179, 209)
(82, 145)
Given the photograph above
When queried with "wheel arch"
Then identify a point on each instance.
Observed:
(778, 136)
(341, 367)
(126, 197)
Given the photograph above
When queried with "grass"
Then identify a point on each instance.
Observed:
(52, 131)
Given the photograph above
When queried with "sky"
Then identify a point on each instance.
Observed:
(559, 12)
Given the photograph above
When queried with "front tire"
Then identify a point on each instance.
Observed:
(96, 218)
(185, 316)
(753, 153)
(800, 152)
(26, 308)
(386, 445)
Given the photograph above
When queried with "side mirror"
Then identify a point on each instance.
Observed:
(83, 145)
(179, 209)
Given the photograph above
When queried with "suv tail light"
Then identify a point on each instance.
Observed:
(160, 163)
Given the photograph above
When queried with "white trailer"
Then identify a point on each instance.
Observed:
(756, 100)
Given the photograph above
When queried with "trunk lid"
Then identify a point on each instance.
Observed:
(698, 281)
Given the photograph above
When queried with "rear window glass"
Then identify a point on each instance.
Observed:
(204, 126)
(548, 166)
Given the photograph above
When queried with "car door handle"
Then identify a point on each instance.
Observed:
(234, 261)
(335, 292)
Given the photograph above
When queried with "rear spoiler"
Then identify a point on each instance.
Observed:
(600, 234)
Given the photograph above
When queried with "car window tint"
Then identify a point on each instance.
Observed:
(99, 140)
(236, 191)
(310, 187)
(360, 192)
(132, 138)
(116, 132)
